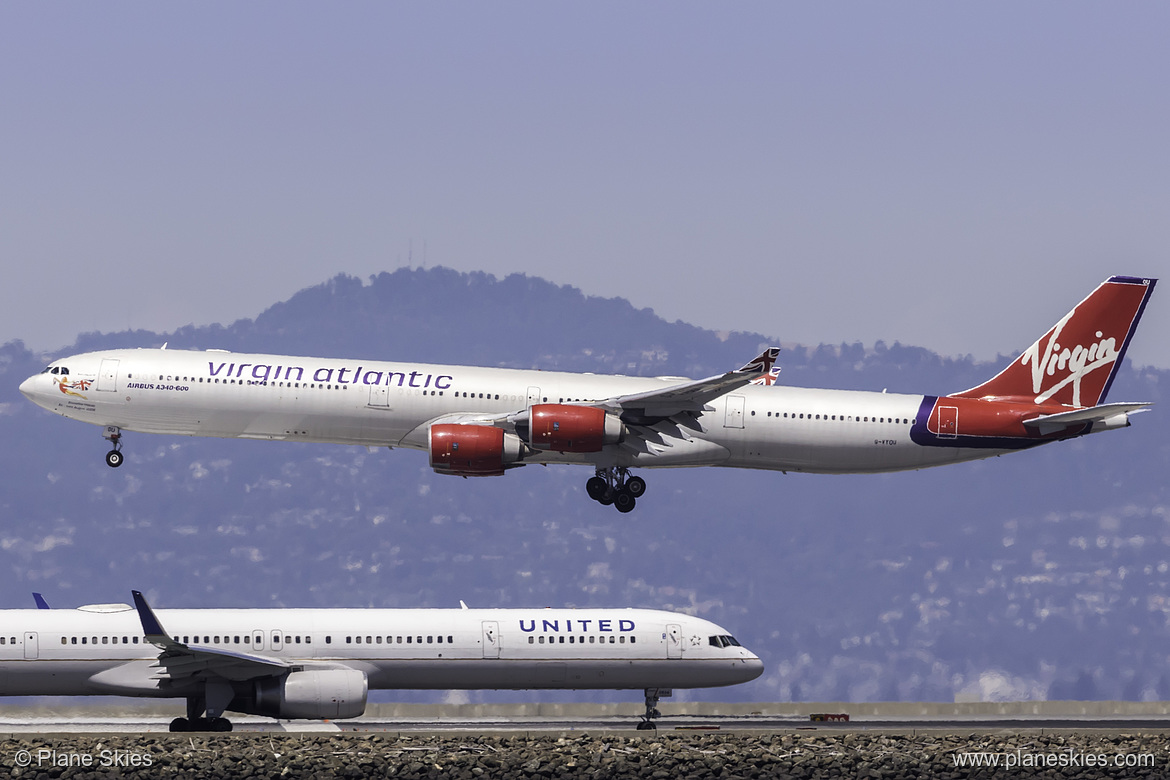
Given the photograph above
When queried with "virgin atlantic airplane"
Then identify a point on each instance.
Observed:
(478, 422)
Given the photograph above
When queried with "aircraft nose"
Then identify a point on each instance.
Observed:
(753, 667)
(27, 387)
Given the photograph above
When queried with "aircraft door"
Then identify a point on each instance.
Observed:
(674, 641)
(491, 639)
(257, 640)
(277, 641)
(107, 375)
(32, 646)
(948, 422)
(533, 396)
(379, 395)
(734, 415)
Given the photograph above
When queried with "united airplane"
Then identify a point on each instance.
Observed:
(475, 422)
(321, 663)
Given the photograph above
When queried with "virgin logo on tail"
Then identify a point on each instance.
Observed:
(1079, 362)
(1065, 365)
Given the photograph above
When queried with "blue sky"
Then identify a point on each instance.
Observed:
(949, 175)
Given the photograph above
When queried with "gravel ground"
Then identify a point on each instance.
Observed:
(658, 757)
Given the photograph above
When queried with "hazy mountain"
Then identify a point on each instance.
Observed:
(1042, 574)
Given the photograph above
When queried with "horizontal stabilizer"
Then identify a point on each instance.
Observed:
(1116, 415)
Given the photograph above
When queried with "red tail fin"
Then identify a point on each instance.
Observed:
(1074, 363)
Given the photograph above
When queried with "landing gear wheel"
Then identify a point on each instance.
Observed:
(114, 459)
(219, 724)
(636, 486)
(646, 725)
(614, 485)
(180, 724)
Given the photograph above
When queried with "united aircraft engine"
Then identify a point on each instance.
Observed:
(325, 693)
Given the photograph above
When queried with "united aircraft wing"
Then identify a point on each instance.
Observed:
(179, 661)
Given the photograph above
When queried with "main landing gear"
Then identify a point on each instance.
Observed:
(205, 716)
(114, 435)
(201, 724)
(652, 713)
(614, 485)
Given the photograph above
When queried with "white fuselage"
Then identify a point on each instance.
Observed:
(101, 649)
(374, 403)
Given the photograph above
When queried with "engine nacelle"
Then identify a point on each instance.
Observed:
(565, 428)
(314, 694)
(473, 450)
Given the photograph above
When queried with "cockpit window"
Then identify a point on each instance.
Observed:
(723, 640)
(56, 370)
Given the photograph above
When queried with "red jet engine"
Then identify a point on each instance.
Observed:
(473, 450)
(564, 428)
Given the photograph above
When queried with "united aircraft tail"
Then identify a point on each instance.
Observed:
(1074, 363)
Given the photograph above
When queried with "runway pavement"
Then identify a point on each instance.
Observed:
(505, 723)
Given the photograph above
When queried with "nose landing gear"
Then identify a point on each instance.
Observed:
(114, 457)
(614, 485)
(652, 713)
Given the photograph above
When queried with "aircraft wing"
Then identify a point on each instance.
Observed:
(693, 396)
(1115, 413)
(659, 415)
(179, 661)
